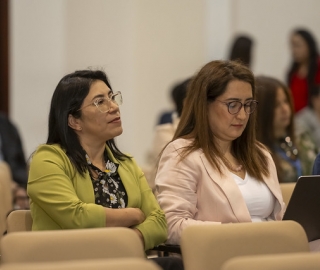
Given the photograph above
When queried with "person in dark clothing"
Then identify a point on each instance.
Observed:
(11, 151)
(241, 50)
(178, 93)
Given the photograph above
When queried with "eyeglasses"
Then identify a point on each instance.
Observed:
(235, 106)
(104, 104)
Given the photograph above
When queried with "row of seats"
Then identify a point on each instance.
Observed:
(296, 261)
(211, 246)
(5, 195)
(227, 247)
(100, 264)
(224, 252)
(66, 245)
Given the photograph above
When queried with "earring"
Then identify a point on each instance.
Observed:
(80, 128)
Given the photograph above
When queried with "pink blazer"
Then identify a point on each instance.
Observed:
(193, 192)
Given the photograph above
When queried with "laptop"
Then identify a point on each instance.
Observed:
(304, 205)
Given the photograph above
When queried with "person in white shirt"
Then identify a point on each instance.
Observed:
(214, 170)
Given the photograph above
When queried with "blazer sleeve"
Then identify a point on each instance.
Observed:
(176, 184)
(51, 187)
(154, 228)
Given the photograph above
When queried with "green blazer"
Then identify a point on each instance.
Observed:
(60, 198)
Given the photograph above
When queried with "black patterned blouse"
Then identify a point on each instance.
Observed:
(109, 190)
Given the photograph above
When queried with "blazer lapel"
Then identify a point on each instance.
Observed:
(230, 189)
(276, 191)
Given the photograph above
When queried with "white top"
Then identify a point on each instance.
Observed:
(259, 199)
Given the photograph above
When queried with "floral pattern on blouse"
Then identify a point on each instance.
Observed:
(109, 190)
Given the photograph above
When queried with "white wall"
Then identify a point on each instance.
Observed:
(37, 56)
(145, 46)
(270, 24)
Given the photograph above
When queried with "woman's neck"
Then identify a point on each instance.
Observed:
(280, 133)
(303, 69)
(95, 154)
(225, 147)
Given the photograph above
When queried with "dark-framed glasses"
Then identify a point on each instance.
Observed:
(235, 106)
(103, 104)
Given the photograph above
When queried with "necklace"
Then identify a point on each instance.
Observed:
(236, 169)
(233, 168)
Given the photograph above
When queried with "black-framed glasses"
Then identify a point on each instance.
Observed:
(103, 104)
(235, 106)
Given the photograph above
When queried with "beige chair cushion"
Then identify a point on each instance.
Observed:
(19, 221)
(209, 246)
(100, 264)
(295, 261)
(287, 189)
(63, 245)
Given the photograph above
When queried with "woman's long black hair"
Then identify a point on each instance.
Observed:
(313, 60)
(67, 99)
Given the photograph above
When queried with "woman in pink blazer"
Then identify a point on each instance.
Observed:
(214, 170)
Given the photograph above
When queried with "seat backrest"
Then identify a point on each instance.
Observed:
(99, 264)
(295, 261)
(5, 194)
(286, 190)
(19, 221)
(63, 245)
(209, 246)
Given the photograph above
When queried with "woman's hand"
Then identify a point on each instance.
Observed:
(125, 217)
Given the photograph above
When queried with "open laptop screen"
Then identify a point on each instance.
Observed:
(304, 205)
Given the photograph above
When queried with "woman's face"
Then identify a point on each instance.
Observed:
(282, 113)
(227, 127)
(299, 49)
(97, 127)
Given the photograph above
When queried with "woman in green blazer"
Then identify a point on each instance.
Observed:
(79, 178)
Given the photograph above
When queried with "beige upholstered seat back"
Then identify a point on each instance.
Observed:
(296, 261)
(5, 195)
(99, 264)
(287, 189)
(209, 246)
(19, 221)
(63, 245)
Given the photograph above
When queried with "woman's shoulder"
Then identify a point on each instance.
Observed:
(49, 151)
(181, 143)
(49, 148)
(182, 149)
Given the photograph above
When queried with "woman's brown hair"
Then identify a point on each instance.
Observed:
(267, 88)
(208, 84)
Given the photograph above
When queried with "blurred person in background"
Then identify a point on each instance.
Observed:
(292, 155)
(164, 133)
(175, 96)
(11, 151)
(304, 71)
(308, 119)
(241, 50)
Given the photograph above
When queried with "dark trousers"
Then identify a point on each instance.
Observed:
(169, 263)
